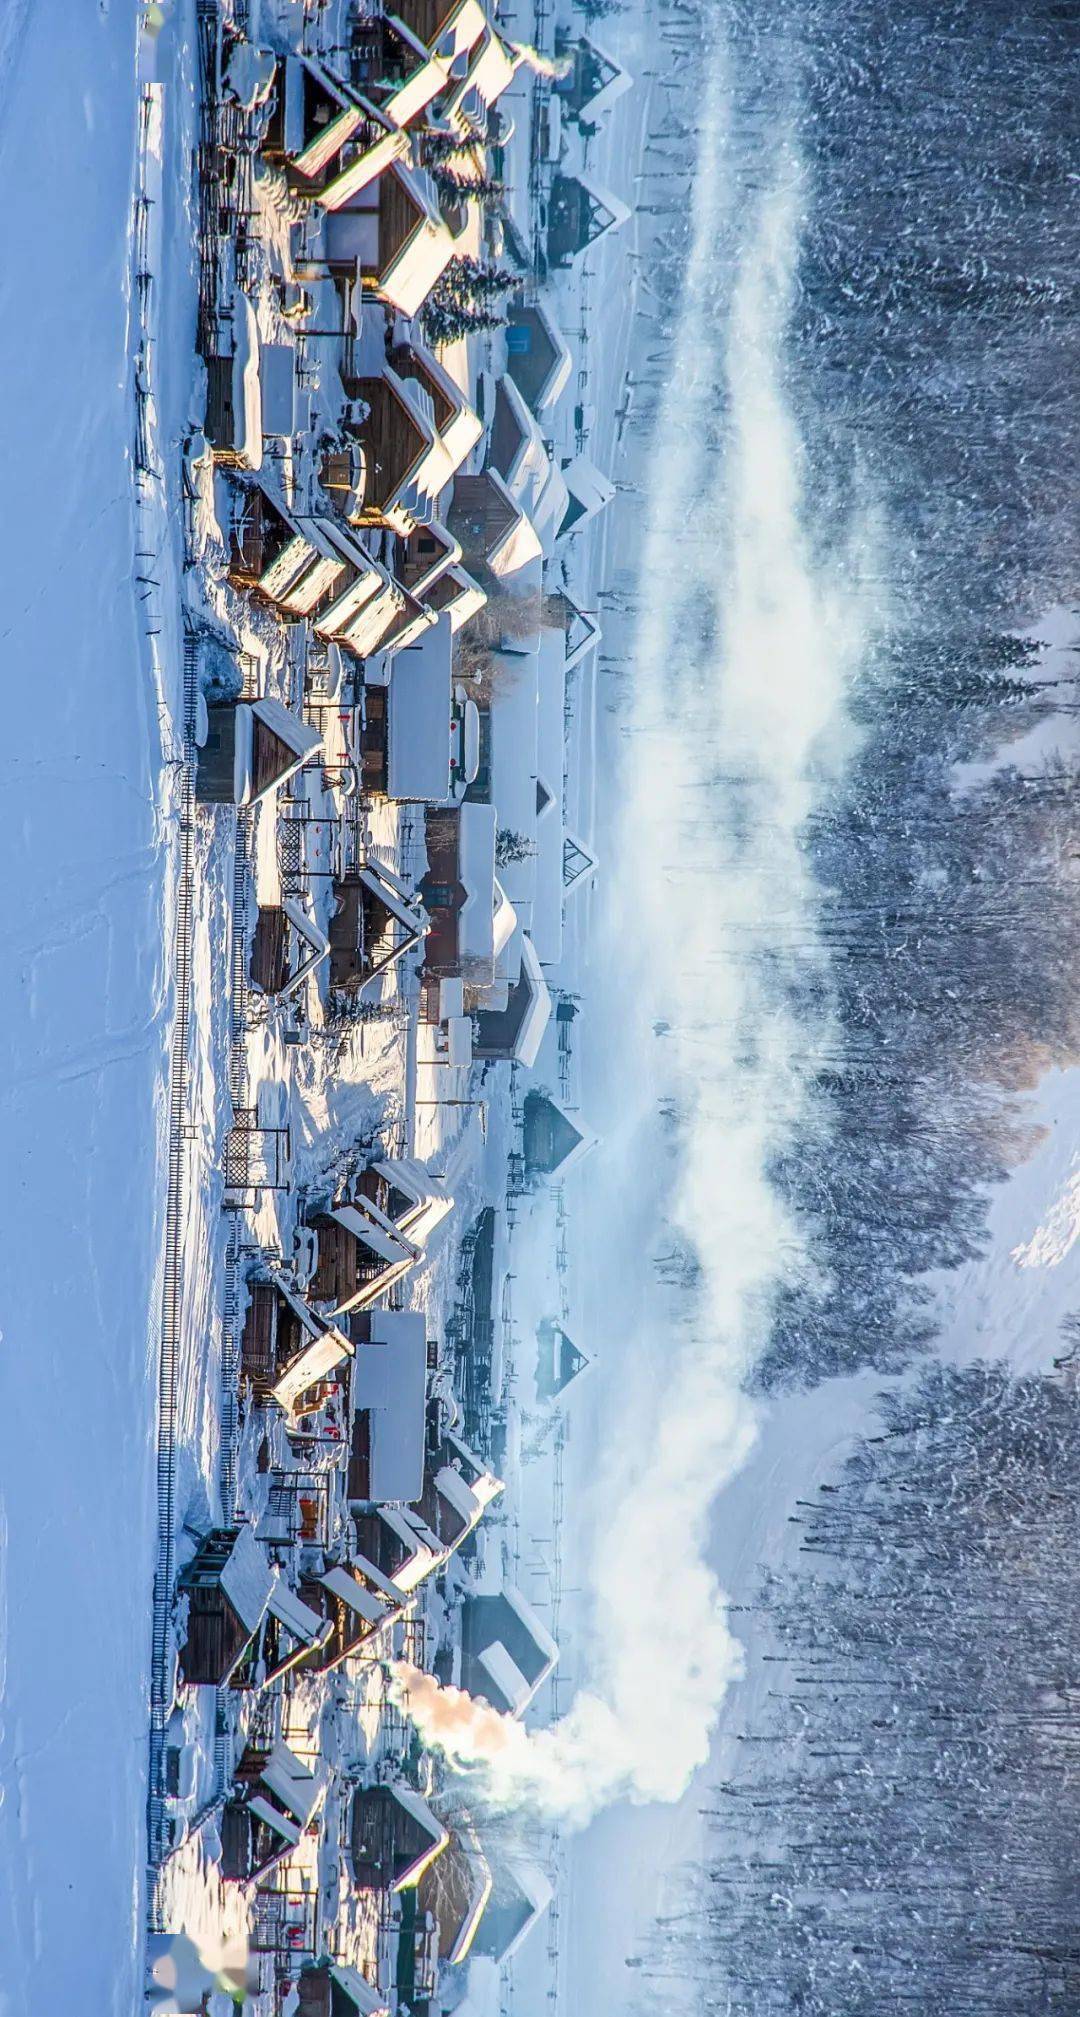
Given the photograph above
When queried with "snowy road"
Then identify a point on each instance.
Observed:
(83, 1029)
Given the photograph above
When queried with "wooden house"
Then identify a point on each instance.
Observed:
(376, 920)
(227, 1587)
(250, 747)
(418, 429)
(551, 1142)
(507, 1653)
(515, 1032)
(234, 419)
(390, 233)
(591, 81)
(286, 1347)
(495, 534)
(537, 354)
(410, 59)
(388, 1402)
(409, 1543)
(330, 1989)
(355, 1607)
(275, 1799)
(579, 213)
(375, 1235)
(407, 740)
(454, 1892)
(394, 1837)
(320, 127)
(286, 947)
(520, 1896)
(470, 922)
(558, 1360)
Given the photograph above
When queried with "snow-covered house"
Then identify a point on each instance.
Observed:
(579, 213)
(319, 127)
(409, 727)
(234, 416)
(355, 1606)
(507, 1652)
(515, 1033)
(471, 919)
(394, 1837)
(537, 353)
(551, 1142)
(388, 1398)
(495, 533)
(244, 1625)
(416, 433)
(372, 1238)
(558, 1360)
(287, 945)
(275, 1798)
(390, 234)
(331, 1989)
(520, 1895)
(589, 492)
(453, 1894)
(376, 920)
(407, 1543)
(248, 748)
(416, 54)
(286, 1347)
(592, 81)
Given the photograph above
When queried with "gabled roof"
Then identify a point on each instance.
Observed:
(589, 492)
(579, 865)
(419, 263)
(541, 312)
(246, 1579)
(571, 1140)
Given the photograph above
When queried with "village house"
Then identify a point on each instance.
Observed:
(451, 1899)
(394, 1836)
(496, 536)
(580, 213)
(521, 1893)
(244, 1626)
(507, 1653)
(355, 1607)
(551, 1142)
(275, 1799)
(248, 748)
(591, 81)
(376, 921)
(287, 945)
(471, 919)
(538, 356)
(390, 234)
(558, 1360)
(361, 1246)
(417, 430)
(388, 1394)
(406, 1544)
(513, 1034)
(420, 737)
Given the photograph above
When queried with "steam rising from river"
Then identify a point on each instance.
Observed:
(744, 650)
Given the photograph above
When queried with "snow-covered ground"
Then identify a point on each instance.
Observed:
(83, 1030)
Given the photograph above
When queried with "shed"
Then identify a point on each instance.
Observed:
(394, 1837)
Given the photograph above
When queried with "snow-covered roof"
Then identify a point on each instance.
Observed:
(538, 1013)
(300, 1789)
(476, 872)
(431, 1201)
(532, 478)
(247, 384)
(558, 374)
(504, 922)
(589, 492)
(618, 212)
(294, 1614)
(288, 1829)
(407, 911)
(618, 83)
(425, 1551)
(389, 1381)
(419, 753)
(457, 1890)
(246, 1579)
(321, 1357)
(538, 1891)
(421, 1813)
(546, 925)
(341, 192)
(491, 68)
(407, 280)
(507, 1677)
(366, 1603)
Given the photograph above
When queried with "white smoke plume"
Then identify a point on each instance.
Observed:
(745, 649)
(555, 67)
